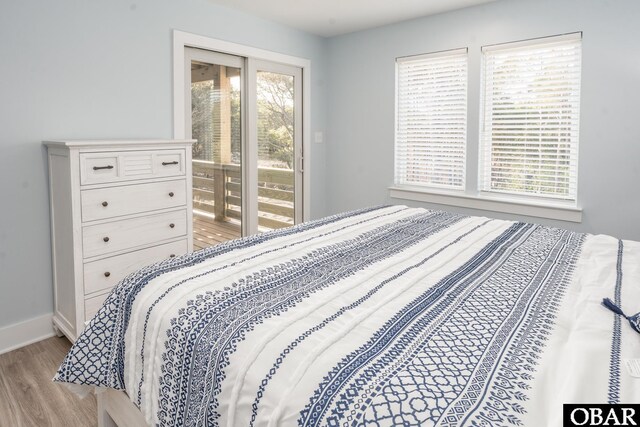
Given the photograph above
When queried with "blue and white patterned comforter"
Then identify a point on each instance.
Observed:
(385, 316)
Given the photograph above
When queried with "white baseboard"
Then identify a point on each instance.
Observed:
(24, 333)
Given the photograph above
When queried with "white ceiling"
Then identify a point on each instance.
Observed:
(333, 17)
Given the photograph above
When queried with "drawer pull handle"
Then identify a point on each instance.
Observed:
(106, 239)
(175, 162)
(107, 274)
(172, 256)
(171, 194)
(97, 168)
(105, 204)
(172, 225)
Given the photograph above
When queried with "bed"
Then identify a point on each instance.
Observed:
(383, 316)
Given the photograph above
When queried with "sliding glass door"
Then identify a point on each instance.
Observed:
(278, 121)
(246, 116)
(215, 120)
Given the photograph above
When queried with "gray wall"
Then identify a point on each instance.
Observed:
(100, 69)
(361, 113)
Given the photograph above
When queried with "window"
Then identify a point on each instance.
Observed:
(527, 156)
(530, 118)
(431, 120)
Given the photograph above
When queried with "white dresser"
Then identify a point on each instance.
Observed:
(116, 206)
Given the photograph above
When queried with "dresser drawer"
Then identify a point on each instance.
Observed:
(106, 273)
(101, 203)
(92, 305)
(97, 168)
(115, 236)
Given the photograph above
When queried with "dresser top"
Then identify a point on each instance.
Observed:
(114, 142)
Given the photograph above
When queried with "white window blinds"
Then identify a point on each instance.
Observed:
(530, 117)
(431, 121)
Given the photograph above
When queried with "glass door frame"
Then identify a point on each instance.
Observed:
(253, 67)
(227, 60)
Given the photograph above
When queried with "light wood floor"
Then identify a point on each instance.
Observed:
(29, 398)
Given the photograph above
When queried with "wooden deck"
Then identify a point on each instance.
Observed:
(208, 232)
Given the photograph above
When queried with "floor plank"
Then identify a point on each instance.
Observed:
(28, 397)
(208, 232)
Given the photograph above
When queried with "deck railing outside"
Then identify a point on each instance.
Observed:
(217, 191)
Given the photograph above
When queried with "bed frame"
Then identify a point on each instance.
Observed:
(116, 410)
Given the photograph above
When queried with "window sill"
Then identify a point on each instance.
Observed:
(486, 203)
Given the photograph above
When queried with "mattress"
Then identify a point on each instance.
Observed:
(383, 316)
